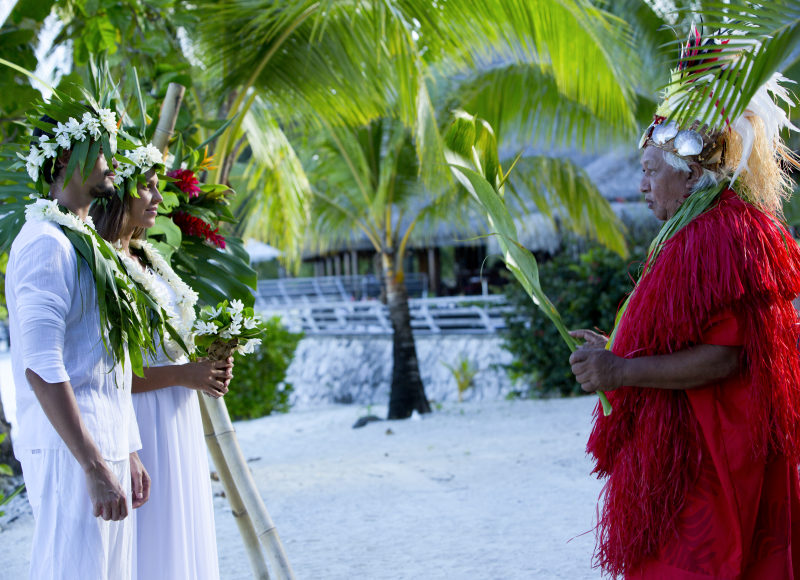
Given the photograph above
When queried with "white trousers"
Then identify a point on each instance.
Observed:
(69, 543)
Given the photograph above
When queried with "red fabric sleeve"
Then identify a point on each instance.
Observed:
(723, 329)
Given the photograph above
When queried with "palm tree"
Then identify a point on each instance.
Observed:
(342, 63)
(366, 184)
(334, 65)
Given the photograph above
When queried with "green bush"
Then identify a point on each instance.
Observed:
(258, 386)
(587, 293)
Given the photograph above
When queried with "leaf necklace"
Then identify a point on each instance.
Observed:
(130, 319)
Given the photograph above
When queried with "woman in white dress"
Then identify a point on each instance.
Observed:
(174, 532)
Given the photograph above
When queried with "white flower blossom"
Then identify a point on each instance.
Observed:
(251, 323)
(76, 130)
(215, 312)
(92, 125)
(49, 148)
(33, 162)
(249, 347)
(233, 330)
(236, 307)
(62, 136)
(152, 155)
(205, 327)
(108, 119)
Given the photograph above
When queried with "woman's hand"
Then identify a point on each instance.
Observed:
(209, 377)
(591, 339)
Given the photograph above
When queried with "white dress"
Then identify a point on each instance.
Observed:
(174, 531)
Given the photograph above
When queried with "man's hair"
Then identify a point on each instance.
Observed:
(708, 180)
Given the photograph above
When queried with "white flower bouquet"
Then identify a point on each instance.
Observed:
(226, 329)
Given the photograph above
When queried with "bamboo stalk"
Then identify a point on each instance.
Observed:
(243, 480)
(168, 116)
(254, 554)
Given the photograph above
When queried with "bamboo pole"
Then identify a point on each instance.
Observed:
(243, 479)
(254, 554)
(169, 114)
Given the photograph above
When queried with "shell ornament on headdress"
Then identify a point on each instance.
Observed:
(748, 146)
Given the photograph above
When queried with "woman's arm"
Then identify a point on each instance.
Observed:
(209, 377)
(601, 370)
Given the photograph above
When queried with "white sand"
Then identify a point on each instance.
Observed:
(490, 490)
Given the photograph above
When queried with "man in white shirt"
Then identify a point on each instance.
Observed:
(78, 437)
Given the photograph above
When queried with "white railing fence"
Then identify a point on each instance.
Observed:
(460, 314)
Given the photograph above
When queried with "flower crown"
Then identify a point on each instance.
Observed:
(66, 135)
(87, 129)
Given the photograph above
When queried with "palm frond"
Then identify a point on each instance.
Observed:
(523, 104)
(759, 37)
(559, 187)
(589, 53)
(277, 196)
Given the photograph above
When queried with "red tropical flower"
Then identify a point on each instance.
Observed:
(187, 182)
(194, 226)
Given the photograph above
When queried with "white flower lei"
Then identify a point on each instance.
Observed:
(46, 210)
(186, 297)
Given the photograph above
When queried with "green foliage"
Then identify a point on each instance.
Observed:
(258, 387)
(587, 292)
(6, 470)
(464, 375)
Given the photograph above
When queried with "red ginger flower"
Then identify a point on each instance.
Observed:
(187, 182)
(193, 226)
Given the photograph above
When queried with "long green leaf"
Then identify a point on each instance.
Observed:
(518, 259)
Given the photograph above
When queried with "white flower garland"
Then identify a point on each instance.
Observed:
(143, 158)
(65, 134)
(46, 210)
(186, 297)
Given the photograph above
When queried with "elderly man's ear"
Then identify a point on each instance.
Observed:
(695, 173)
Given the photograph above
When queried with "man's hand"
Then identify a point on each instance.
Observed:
(591, 339)
(106, 494)
(140, 481)
(597, 369)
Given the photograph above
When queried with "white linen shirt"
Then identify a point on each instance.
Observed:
(55, 332)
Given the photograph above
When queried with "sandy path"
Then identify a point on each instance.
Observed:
(491, 490)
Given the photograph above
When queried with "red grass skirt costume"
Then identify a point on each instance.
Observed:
(703, 483)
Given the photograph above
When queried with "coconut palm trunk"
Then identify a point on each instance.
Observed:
(408, 393)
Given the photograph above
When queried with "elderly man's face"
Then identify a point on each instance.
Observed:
(665, 188)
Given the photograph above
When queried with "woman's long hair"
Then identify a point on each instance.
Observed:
(111, 217)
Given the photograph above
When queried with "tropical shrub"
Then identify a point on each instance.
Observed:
(6, 470)
(258, 387)
(587, 293)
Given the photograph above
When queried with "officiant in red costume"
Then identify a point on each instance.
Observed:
(700, 453)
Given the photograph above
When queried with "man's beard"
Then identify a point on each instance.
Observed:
(102, 191)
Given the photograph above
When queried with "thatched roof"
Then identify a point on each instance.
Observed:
(615, 174)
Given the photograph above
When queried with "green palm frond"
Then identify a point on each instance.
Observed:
(276, 204)
(523, 104)
(589, 53)
(760, 38)
(558, 186)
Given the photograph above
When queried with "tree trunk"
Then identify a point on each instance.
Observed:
(6, 450)
(408, 392)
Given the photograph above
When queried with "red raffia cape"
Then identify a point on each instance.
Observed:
(732, 258)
